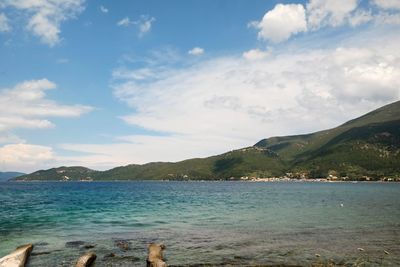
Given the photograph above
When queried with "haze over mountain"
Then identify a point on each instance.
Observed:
(368, 146)
(5, 176)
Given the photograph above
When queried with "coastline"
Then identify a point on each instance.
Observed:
(255, 180)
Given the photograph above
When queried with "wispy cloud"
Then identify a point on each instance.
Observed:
(45, 17)
(224, 103)
(255, 54)
(103, 9)
(124, 22)
(4, 25)
(329, 12)
(25, 106)
(144, 24)
(196, 51)
(62, 60)
(387, 4)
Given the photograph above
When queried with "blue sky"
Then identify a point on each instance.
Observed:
(108, 83)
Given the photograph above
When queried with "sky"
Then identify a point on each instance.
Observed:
(101, 84)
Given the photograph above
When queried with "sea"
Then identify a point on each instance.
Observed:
(217, 223)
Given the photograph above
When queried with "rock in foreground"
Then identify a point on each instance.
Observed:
(86, 260)
(18, 257)
(155, 256)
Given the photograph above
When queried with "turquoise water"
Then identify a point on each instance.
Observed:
(237, 223)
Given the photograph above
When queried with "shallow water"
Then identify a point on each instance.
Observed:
(237, 223)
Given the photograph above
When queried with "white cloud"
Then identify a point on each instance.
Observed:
(230, 102)
(124, 22)
(46, 16)
(4, 26)
(25, 157)
(387, 4)
(360, 17)
(196, 51)
(26, 106)
(143, 149)
(7, 138)
(103, 9)
(255, 54)
(144, 24)
(281, 22)
(387, 18)
(329, 12)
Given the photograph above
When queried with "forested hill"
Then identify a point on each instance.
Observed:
(366, 147)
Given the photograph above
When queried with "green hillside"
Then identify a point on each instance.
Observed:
(61, 174)
(368, 146)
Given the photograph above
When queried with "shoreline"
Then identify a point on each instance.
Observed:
(257, 180)
(87, 255)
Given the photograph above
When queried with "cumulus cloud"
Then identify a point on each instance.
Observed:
(26, 106)
(281, 22)
(46, 16)
(196, 51)
(255, 54)
(4, 26)
(25, 157)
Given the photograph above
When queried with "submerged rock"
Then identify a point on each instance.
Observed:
(41, 244)
(108, 256)
(74, 244)
(111, 258)
(124, 245)
(18, 257)
(86, 260)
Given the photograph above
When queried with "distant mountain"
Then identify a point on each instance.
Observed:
(5, 176)
(368, 146)
(61, 174)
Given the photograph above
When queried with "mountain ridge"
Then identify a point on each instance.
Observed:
(365, 147)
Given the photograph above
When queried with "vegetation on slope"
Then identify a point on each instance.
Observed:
(368, 146)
